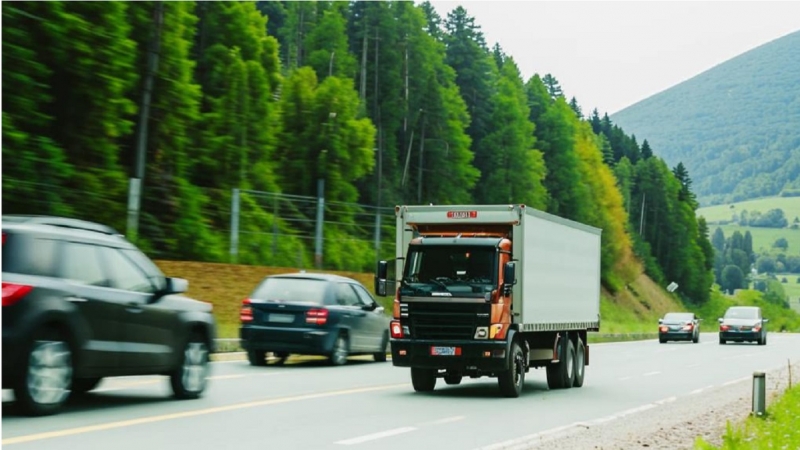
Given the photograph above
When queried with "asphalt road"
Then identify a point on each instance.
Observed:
(372, 405)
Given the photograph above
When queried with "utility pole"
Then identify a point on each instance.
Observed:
(421, 151)
(135, 192)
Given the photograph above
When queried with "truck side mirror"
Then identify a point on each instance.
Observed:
(380, 278)
(509, 277)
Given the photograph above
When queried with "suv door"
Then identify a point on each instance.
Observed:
(100, 307)
(376, 322)
(353, 314)
(151, 330)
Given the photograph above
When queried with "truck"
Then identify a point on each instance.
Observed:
(491, 290)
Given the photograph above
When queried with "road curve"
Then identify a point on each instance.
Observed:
(372, 405)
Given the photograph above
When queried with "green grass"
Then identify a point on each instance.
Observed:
(779, 429)
(789, 205)
(791, 287)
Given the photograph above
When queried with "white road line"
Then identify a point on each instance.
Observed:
(692, 366)
(527, 439)
(650, 374)
(447, 420)
(738, 380)
(374, 436)
(666, 400)
(697, 391)
(625, 378)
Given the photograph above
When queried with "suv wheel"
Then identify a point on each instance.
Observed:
(189, 380)
(339, 353)
(44, 384)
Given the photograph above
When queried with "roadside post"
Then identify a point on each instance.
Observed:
(759, 394)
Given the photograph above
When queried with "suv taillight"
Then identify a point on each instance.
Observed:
(12, 293)
(246, 312)
(317, 316)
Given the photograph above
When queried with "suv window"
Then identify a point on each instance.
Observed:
(150, 269)
(345, 296)
(27, 255)
(363, 295)
(124, 274)
(81, 263)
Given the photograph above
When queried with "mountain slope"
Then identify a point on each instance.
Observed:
(736, 126)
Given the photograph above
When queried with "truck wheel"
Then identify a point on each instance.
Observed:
(423, 380)
(512, 380)
(452, 378)
(562, 374)
(338, 356)
(43, 385)
(580, 364)
(256, 357)
(189, 380)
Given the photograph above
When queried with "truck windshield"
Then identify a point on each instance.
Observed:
(449, 266)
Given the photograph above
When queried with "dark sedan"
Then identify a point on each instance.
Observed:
(743, 324)
(312, 314)
(679, 327)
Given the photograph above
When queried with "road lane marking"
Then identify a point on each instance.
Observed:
(697, 391)
(625, 378)
(650, 374)
(738, 380)
(527, 439)
(447, 420)
(666, 400)
(374, 436)
(198, 412)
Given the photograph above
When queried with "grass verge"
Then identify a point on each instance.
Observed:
(779, 429)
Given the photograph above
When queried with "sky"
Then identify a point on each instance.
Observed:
(610, 55)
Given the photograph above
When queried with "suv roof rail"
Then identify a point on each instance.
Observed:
(64, 222)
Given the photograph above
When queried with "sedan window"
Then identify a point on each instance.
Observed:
(742, 313)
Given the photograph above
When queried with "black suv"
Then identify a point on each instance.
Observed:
(80, 303)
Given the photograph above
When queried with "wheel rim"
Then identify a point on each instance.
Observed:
(49, 372)
(195, 366)
(339, 351)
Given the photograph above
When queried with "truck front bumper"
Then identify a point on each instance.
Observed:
(470, 356)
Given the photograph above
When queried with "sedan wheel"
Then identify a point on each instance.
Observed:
(189, 381)
(46, 383)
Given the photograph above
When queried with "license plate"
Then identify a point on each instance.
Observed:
(281, 318)
(445, 351)
(744, 328)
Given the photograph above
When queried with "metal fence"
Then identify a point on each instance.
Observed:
(252, 227)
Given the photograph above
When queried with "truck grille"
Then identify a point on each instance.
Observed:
(447, 320)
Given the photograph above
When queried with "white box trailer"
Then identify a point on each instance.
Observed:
(538, 294)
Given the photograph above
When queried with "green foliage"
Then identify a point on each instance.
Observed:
(777, 430)
(729, 125)
(732, 278)
(781, 243)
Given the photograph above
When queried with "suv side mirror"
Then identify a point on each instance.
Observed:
(720, 320)
(509, 277)
(176, 285)
(660, 321)
(765, 320)
(380, 278)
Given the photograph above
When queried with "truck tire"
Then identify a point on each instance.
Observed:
(423, 380)
(561, 375)
(580, 364)
(512, 379)
(256, 357)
